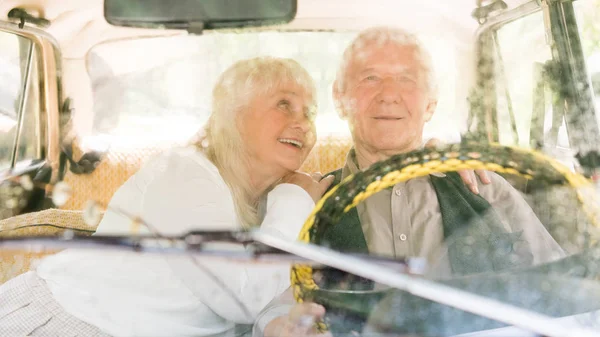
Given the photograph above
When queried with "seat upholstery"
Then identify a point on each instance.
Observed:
(47, 222)
(328, 154)
(112, 172)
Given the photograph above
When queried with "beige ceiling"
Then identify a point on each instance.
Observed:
(79, 24)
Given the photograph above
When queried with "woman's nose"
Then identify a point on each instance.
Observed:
(302, 122)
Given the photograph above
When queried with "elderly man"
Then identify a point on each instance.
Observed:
(386, 91)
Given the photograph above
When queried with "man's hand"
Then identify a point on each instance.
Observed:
(314, 183)
(468, 176)
(300, 322)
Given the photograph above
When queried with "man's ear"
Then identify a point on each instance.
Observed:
(337, 100)
(430, 109)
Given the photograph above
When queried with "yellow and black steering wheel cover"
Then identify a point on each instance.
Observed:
(354, 189)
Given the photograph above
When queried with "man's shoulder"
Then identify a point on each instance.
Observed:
(499, 190)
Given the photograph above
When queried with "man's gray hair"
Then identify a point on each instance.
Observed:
(382, 36)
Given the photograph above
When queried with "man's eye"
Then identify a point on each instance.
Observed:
(406, 79)
(284, 104)
(372, 78)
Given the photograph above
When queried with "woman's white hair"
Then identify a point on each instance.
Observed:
(221, 139)
(381, 36)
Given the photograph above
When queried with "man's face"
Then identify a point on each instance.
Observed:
(386, 98)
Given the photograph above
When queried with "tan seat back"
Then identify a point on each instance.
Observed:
(53, 221)
(328, 154)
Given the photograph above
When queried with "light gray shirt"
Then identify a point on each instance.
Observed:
(406, 221)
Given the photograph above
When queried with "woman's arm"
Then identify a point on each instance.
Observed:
(190, 195)
(288, 206)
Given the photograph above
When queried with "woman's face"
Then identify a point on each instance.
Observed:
(278, 128)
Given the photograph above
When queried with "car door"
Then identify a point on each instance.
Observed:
(29, 118)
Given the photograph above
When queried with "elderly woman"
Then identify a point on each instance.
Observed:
(240, 174)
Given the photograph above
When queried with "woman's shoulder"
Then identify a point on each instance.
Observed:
(184, 165)
(176, 182)
(189, 155)
(182, 160)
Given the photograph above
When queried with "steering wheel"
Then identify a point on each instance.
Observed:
(492, 157)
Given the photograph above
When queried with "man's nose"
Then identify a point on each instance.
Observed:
(390, 91)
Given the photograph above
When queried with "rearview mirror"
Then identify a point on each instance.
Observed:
(197, 15)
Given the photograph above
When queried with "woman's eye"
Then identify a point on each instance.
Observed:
(311, 113)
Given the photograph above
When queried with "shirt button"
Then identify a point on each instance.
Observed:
(402, 237)
(398, 192)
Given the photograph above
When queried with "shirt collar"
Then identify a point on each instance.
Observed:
(351, 165)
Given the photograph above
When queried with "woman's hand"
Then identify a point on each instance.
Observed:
(468, 176)
(300, 322)
(314, 183)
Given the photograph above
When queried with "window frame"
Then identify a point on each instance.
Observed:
(49, 115)
(561, 29)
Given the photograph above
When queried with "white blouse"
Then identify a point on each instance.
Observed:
(135, 294)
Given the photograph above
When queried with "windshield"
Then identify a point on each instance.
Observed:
(425, 252)
(169, 90)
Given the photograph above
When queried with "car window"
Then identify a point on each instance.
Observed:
(10, 89)
(518, 75)
(19, 101)
(168, 91)
(588, 16)
(28, 147)
(527, 85)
